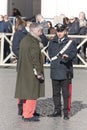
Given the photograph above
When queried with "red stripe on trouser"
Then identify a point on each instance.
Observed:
(28, 108)
(70, 96)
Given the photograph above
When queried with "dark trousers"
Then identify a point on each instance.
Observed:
(6, 50)
(58, 87)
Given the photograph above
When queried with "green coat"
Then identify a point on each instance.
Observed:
(27, 85)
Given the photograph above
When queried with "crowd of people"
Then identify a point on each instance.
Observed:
(74, 25)
(5, 27)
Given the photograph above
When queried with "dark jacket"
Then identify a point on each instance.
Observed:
(44, 40)
(44, 24)
(73, 29)
(27, 85)
(2, 26)
(83, 30)
(18, 36)
(61, 68)
(7, 27)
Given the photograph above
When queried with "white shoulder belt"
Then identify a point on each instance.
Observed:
(62, 51)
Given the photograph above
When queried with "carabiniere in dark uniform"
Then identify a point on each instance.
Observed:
(61, 69)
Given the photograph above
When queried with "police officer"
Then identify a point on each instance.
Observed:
(61, 69)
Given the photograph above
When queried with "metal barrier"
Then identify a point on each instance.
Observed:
(4, 36)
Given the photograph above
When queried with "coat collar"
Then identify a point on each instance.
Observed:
(35, 36)
(55, 39)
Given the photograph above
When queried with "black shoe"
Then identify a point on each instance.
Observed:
(36, 114)
(66, 117)
(20, 113)
(55, 114)
(34, 118)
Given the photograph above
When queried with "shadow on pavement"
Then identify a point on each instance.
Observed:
(45, 107)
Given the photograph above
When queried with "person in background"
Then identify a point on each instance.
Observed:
(66, 22)
(73, 29)
(19, 34)
(7, 29)
(30, 81)
(7, 24)
(73, 26)
(43, 23)
(83, 31)
(19, 21)
(16, 12)
(82, 23)
(27, 25)
(61, 69)
(51, 29)
(1, 24)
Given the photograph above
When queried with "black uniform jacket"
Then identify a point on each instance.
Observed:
(62, 68)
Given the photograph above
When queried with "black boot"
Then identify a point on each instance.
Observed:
(66, 117)
(20, 106)
(32, 119)
(20, 109)
(36, 114)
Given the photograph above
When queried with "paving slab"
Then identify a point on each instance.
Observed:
(9, 120)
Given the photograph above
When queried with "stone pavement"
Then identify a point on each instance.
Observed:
(9, 120)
